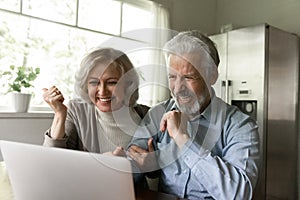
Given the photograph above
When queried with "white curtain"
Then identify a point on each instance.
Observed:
(148, 55)
(159, 86)
(161, 91)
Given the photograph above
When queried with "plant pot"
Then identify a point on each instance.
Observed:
(20, 101)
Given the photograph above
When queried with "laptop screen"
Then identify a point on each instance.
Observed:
(38, 172)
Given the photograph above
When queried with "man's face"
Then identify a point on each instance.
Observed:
(187, 86)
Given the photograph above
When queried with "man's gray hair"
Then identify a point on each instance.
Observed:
(196, 43)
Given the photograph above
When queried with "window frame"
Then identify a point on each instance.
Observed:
(147, 5)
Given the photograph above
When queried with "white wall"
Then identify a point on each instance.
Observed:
(210, 15)
(191, 14)
(24, 127)
(283, 14)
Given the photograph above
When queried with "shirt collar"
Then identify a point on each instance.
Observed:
(208, 110)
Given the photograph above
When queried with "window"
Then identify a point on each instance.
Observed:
(57, 10)
(104, 16)
(55, 34)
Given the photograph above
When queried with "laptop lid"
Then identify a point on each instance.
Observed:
(38, 172)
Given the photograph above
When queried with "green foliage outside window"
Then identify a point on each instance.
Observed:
(18, 79)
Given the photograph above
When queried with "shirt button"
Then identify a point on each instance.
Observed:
(187, 158)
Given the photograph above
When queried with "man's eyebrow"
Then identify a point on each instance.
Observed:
(192, 74)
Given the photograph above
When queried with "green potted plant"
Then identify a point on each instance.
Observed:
(19, 82)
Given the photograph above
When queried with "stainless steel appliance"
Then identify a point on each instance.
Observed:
(259, 74)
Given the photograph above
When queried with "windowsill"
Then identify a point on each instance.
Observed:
(33, 112)
(30, 114)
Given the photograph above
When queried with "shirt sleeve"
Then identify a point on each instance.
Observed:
(233, 174)
(149, 127)
(70, 140)
(50, 142)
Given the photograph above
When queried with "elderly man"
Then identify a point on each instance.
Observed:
(202, 147)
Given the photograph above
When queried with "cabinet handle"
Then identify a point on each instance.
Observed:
(225, 90)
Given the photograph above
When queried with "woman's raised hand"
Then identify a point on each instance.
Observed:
(54, 98)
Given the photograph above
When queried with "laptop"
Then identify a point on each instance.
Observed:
(37, 172)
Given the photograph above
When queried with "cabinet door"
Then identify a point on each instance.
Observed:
(246, 63)
(282, 114)
(247, 60)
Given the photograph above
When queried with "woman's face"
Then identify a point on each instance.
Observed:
(102, 87)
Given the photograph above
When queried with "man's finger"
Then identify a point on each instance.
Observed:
(150, 145)
(133, 155)
(137, 149)
(163, 123)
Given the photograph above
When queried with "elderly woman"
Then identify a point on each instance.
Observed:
(105, 116)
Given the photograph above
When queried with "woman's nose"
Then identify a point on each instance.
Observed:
(101, 89)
